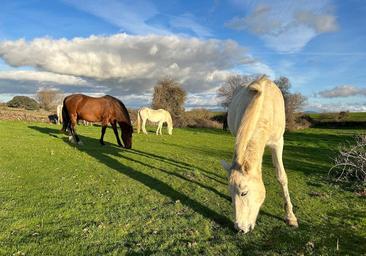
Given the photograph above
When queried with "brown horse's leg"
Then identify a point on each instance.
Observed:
(114, 126)
(104, 127)
(72, 128)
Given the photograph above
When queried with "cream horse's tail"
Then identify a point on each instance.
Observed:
(138, 121)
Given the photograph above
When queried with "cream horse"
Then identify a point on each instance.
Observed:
(161, 116)
(59, 113)
(256, 116)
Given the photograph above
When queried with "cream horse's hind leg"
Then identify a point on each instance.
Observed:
(277, 151)
(160, 125)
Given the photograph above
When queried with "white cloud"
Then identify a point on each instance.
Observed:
(343, 91)
(132, 64)
(287, 26)
(41, 77)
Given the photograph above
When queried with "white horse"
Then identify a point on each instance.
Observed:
(59, 114)
(256, 116)
(161, 116)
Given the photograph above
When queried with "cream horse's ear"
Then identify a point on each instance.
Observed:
(226, 166)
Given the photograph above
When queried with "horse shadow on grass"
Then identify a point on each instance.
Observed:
(103, 155)
(179, 164)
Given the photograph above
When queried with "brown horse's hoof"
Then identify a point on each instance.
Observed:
(292, 222)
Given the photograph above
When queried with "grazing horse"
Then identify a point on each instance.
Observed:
(256, 116)
(106, 109)
(59, 114)
(152, 115)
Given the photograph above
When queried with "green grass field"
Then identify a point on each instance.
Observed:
(352, 116)
(167, 196)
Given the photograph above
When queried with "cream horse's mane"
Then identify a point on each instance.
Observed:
(159, 116)
(256, 116)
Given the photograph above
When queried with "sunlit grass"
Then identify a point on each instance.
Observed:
(167, 196)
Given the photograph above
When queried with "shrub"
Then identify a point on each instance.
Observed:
(133, 115)
(169, 95)
(350, 163)
(343, 115)
(48, 98)
(197, 118)
(23, 102)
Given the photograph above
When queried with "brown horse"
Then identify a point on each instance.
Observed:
(106, 109)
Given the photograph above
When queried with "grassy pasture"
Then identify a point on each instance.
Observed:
(351, 117)
(167, 196)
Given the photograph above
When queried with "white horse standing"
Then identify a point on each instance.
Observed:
(256, 116)
(161, 116)
(59, 113)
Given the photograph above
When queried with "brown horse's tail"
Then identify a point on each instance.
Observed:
(138, 121)
(65, 118)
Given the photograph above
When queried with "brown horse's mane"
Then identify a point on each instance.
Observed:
(122, 106)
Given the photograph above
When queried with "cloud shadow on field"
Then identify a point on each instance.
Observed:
(103, 155)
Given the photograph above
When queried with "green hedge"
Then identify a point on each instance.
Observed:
(23, 102)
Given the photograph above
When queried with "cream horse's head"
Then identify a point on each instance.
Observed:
(170, 123)
(247, 195)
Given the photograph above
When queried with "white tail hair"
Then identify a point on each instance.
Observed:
(138, 121)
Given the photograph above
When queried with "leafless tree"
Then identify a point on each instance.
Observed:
(49, 98)
(169, 95)
(293, 101)
(226, 92)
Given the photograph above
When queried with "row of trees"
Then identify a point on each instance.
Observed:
(169, 95)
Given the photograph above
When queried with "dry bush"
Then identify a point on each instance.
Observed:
(200, 113)
(293, 102)
(342, 115)
(197, 118)
(350, 163)
(169, 95)
(303, 121)
(133, 115)
(49, 99)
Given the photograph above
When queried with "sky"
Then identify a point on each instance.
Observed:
(122, 48)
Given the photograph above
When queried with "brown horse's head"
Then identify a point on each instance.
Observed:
(127, 131)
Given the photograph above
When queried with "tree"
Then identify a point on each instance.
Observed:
(23, 102)
(227, 90)
(169, 95)
(293, 101)
(49, 98)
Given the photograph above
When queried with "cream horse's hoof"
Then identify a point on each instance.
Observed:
(292, 222)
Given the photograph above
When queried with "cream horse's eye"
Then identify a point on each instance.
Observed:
(243, 193)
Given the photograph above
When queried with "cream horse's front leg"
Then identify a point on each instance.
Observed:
(158, 131)
(143, 125)
(277, 151)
